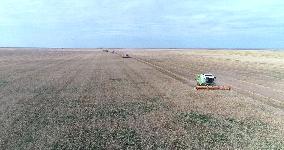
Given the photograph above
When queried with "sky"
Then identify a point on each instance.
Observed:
(142, 23)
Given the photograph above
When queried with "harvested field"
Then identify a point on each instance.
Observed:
(84, 99)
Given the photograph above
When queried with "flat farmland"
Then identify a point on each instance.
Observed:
(89, 99)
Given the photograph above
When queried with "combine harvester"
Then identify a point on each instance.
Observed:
(207, 82)
(125, 56)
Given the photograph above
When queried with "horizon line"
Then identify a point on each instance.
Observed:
(146, 48)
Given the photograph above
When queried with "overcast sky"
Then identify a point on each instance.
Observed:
(142, 23)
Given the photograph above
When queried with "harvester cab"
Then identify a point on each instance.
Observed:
(207, 82)
(205, 79)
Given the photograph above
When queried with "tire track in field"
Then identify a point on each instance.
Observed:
(165, 71)
(136, 79)
(130, 71)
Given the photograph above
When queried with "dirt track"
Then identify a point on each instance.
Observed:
(87, 99)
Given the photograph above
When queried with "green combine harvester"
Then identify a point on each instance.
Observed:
(205, 79)
(207, 82)
(125, 56)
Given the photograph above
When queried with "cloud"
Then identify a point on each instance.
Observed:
(129, 23)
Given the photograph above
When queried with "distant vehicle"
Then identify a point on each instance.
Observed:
(105, 50)
(126, 56)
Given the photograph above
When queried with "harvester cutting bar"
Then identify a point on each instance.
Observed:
(213, 88)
